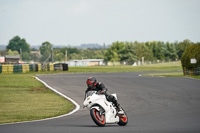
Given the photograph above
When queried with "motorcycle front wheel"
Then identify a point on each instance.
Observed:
(123, 119)
(97, 117)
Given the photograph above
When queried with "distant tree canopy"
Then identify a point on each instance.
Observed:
(134, 51)
(191, 52)
(129, 52)
(19, 45)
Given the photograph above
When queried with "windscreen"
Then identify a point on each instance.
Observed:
(90, 93)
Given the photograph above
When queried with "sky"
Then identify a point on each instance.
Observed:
(75, 22)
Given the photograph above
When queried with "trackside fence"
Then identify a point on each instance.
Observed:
(194, 71)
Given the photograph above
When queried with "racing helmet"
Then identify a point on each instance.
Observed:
(91, 82)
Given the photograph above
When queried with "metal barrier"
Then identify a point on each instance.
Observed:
(195, 71)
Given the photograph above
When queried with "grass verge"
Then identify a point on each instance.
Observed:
(23, 98)
(179, 74)
(172, 66)
(196, 77)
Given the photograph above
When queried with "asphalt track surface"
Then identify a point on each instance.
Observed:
(153, 105)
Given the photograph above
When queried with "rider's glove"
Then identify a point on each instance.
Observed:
(102, 92)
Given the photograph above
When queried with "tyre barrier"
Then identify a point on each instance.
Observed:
(48, 67)
(7, 69)
(61, 67)
(24, 68)
(17, 68)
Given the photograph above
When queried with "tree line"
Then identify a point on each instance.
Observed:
(129, 52)
(150, 51)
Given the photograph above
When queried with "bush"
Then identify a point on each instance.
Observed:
(192, 51)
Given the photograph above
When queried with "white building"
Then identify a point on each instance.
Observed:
(85, 62)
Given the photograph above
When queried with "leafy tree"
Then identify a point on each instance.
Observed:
(45, 50)
(35, 57)
(119, 48)
(111, 55)
(26, 56)
(192, 51)
(59, 56)
(10, 52)
(182, 46)
(115, 52)
(86, 54)
(20, 45)
(75, 56)
(72, 50)
(141, 50)
(159, 50)
(98, 54)
(171, 51)
(130, 55)
(2, 52)
(114, 56)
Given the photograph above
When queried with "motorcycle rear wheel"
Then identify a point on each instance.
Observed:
(97, 118)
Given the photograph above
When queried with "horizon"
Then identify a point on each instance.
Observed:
(59, 45)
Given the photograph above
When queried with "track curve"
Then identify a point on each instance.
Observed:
(153, 104)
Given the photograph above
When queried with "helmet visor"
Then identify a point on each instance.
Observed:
(90, 86)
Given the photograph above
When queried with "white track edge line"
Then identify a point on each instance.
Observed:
(70, 113)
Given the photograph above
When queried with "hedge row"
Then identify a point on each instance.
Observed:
(191, 52)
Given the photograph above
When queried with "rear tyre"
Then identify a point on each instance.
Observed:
(98, 118)
(123, 119)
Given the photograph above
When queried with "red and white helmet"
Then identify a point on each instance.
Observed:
(91, 82)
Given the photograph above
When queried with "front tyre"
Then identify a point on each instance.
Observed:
(98, 118)
(123, 119)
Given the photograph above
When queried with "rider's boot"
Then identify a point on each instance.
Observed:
(114, 101)
(118, 108)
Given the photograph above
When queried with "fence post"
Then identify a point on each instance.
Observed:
(184, 72)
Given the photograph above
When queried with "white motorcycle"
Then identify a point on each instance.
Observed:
(102, 111)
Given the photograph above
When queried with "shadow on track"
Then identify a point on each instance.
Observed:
(78, 125)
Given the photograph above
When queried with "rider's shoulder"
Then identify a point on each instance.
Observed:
(99, 83)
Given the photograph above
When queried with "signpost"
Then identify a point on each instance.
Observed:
(193, 61)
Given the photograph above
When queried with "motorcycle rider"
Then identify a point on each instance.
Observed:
(93, 85)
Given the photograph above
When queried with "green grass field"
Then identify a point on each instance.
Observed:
(23, 98)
